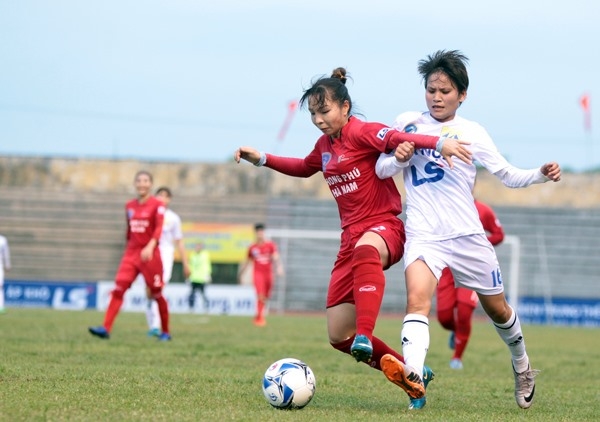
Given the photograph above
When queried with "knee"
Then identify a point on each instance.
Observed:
(117, 293)
(155, 292)
(365, 254)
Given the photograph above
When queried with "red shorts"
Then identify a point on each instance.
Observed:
(263, 283)
(448, 295)
(341, 283)
(131, 265)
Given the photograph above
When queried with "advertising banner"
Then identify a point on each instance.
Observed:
(223, 299)
(56, 295)
(227, 243)
(560, 311)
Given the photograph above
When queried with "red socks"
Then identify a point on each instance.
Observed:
(462, 330)
(260, 309)
(116, 300)
(369, 284)
(163, 310)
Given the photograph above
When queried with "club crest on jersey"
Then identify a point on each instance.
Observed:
(410, 128)
(325, 159)
(381, 134)
(449, 132)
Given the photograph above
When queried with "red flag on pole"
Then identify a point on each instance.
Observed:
(584, 101)
(292, 107)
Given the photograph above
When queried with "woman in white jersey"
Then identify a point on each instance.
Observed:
(442, 223)
(171, 238)
(4, 266)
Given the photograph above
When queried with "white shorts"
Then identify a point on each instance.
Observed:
(472, 260)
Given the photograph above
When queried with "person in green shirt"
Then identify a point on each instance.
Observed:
(200, 274)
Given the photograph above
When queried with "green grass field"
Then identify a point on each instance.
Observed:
(51, 369)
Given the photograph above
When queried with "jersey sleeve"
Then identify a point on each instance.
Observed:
(177, 230)
(5, 250)
(491, 224)
(297, 167)
(386, 139)
(486, 153)
(388, 166)
(128, 232)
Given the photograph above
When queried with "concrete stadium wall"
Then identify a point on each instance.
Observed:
(576, 190)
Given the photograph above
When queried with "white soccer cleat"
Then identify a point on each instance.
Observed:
(525, 387)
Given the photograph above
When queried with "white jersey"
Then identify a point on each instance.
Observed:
(440, 203)
(4, 257)
(171, 232)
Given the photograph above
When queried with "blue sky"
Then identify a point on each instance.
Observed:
(191, 80)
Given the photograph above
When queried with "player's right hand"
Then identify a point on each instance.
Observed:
(404, 151)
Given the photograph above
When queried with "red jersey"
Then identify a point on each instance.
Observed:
(261, 255)
(491, 224)
(144, 222)
(348, 166)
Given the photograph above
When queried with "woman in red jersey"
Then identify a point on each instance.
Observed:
(373, 235)
(145, 216)
(263, 254)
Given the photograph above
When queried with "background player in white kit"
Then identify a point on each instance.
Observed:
(4, 266)
(171, 238)
(443, 228)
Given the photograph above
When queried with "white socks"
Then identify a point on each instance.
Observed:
(152, 314)
(415, 340)
(511, 334)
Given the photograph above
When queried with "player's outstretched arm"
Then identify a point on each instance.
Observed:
(551, 171)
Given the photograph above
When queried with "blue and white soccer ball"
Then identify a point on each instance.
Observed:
(289, 384)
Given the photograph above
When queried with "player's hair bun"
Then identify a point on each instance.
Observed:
(339, 73)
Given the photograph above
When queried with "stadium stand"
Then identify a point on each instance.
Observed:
(65, 221)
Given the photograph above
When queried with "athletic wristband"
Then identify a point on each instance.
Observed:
(262, 161)
(439, 144)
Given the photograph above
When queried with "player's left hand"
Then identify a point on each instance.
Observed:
(551, 171)
(456, 148)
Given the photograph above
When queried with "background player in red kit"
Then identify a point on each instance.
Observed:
(262, 254)
(145, 216)
(373, 235)
(455, 305)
